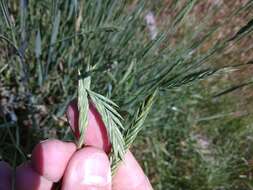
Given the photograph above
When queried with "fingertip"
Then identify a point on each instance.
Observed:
(27, 178)
(96, 134)
(50, 158)
(130, 175)
(73, 115)
(89, 168)
(5, 176)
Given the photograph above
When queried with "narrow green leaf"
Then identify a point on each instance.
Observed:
(38, 51)
(111, 119)
(245, 29)
(138, 122)
(72, 9)
(183, 12)
(199, 75)
(233, 88)
(38, 44)
(151, 45)
(83, 107)
(128, 72)
(102, 98)
(5, 13)
(136, 126)
(53, 39)
(56, 25)
(23, 18)
(54, 8)
(9, 41)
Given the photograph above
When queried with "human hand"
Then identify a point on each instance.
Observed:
(55, 163)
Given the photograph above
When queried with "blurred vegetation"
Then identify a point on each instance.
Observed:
(199, 133)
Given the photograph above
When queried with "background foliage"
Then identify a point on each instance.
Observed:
(199, 133)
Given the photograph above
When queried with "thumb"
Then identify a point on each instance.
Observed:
(89, 168)
(129, 175)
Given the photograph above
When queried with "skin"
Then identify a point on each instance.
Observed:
(55, 163)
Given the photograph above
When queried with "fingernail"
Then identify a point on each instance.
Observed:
(96, 173)
(89, 168)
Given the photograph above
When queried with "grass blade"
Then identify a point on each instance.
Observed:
(5, 12)
(244, 30)
(232, 89)
(23, 18)
(38, 53)
(140, 117)
(184, 11)
(83, 107)
(111, 119)
(136, 126)
(54, 35)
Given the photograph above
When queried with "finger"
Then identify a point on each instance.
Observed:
(50, 158)
(5, 176)
(28, 179)
(96, 133)
(130, 176)
(89, 168)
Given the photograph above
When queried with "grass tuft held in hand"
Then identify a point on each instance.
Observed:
(111, 118)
